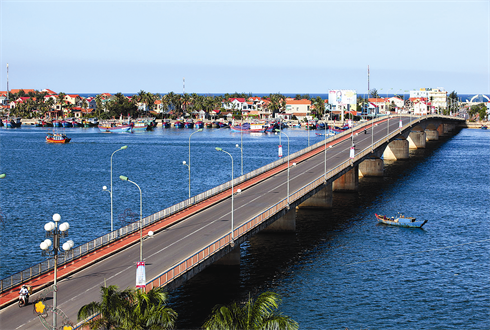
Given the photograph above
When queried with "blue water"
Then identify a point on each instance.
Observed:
(339, 269)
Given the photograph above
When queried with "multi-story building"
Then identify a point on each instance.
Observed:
(436, 97)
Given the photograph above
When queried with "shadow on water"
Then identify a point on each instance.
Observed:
(268, 258)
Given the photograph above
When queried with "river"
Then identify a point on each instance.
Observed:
(339, 270)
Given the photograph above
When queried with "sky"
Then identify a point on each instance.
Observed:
(245, 46)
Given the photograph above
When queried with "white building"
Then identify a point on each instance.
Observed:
(437, 97)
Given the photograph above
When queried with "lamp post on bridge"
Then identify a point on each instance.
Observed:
(110, 191)
(53, 230)
(189, 164)
(232, 241)
(140, 266)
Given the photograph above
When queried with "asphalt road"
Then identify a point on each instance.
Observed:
(170, 246)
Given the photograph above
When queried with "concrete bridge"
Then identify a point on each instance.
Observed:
(209, 228)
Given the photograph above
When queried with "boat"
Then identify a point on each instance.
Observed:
(13, 123)
(249, 128)
(115, 128)
(199, 124)
(189, 123)
(484, 127)
(166, 123)
(140, 125)
(209, 124)
(179, 124)
(57, 138)
(401, 221)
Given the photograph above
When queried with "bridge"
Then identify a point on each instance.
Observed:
(209, 228)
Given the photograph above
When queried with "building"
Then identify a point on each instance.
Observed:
(299, 108)
(436, 97)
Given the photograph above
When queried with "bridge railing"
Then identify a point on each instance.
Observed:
(79, 251)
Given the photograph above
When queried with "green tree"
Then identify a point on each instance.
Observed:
(112, 310)
(374, 93)
(150, 312)
(253, 315)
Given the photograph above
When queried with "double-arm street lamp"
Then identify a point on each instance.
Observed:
(55, 231)
(189, 164)
(110, 191)
(232, 242)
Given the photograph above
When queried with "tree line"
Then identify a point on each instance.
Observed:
(174, 105)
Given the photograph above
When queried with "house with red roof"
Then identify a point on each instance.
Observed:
(299, 108)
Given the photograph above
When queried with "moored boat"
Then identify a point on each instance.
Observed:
(57, 138)
(140, 125)
(166, 123)
(249, 128)
(401, 221)
(484, 127)
(199, 124)
(179, 124)
(13, 123)
(115, 128)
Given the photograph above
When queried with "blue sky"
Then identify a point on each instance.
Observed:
(245, 46)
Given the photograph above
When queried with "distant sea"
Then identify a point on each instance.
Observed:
(462, 97)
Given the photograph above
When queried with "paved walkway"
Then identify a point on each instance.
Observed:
(10, 296)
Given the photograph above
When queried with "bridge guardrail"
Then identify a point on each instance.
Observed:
(81, 250)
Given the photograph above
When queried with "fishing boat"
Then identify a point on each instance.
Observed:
(249, 128)
(166, 123)
(189, 123)
(115, 128)
(13, 123)
(199, 124)
(140, 125)
(179, 124)
(484, 127)
(209, 124)
(57, 138)
(401, 221)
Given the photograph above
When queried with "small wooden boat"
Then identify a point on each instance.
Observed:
(57, 138)
(401, 221)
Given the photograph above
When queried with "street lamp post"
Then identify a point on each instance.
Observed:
(125, 178)
(232, 242)
(2, 176)
(189, 164)
(241, 152)
(55, 231)
(281, 132)
(110, 191)
(326, 149)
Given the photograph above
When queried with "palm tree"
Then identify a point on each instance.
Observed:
(253, 315)
(61, 101)
(113, 308)
(150, 311)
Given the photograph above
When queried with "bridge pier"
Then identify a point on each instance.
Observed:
(286, 223)
(431, 135)
(371, 167)
(416, 140)
(321, 200)
(441, 130)
(230, 259)
(348, 182)
(397, 149)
